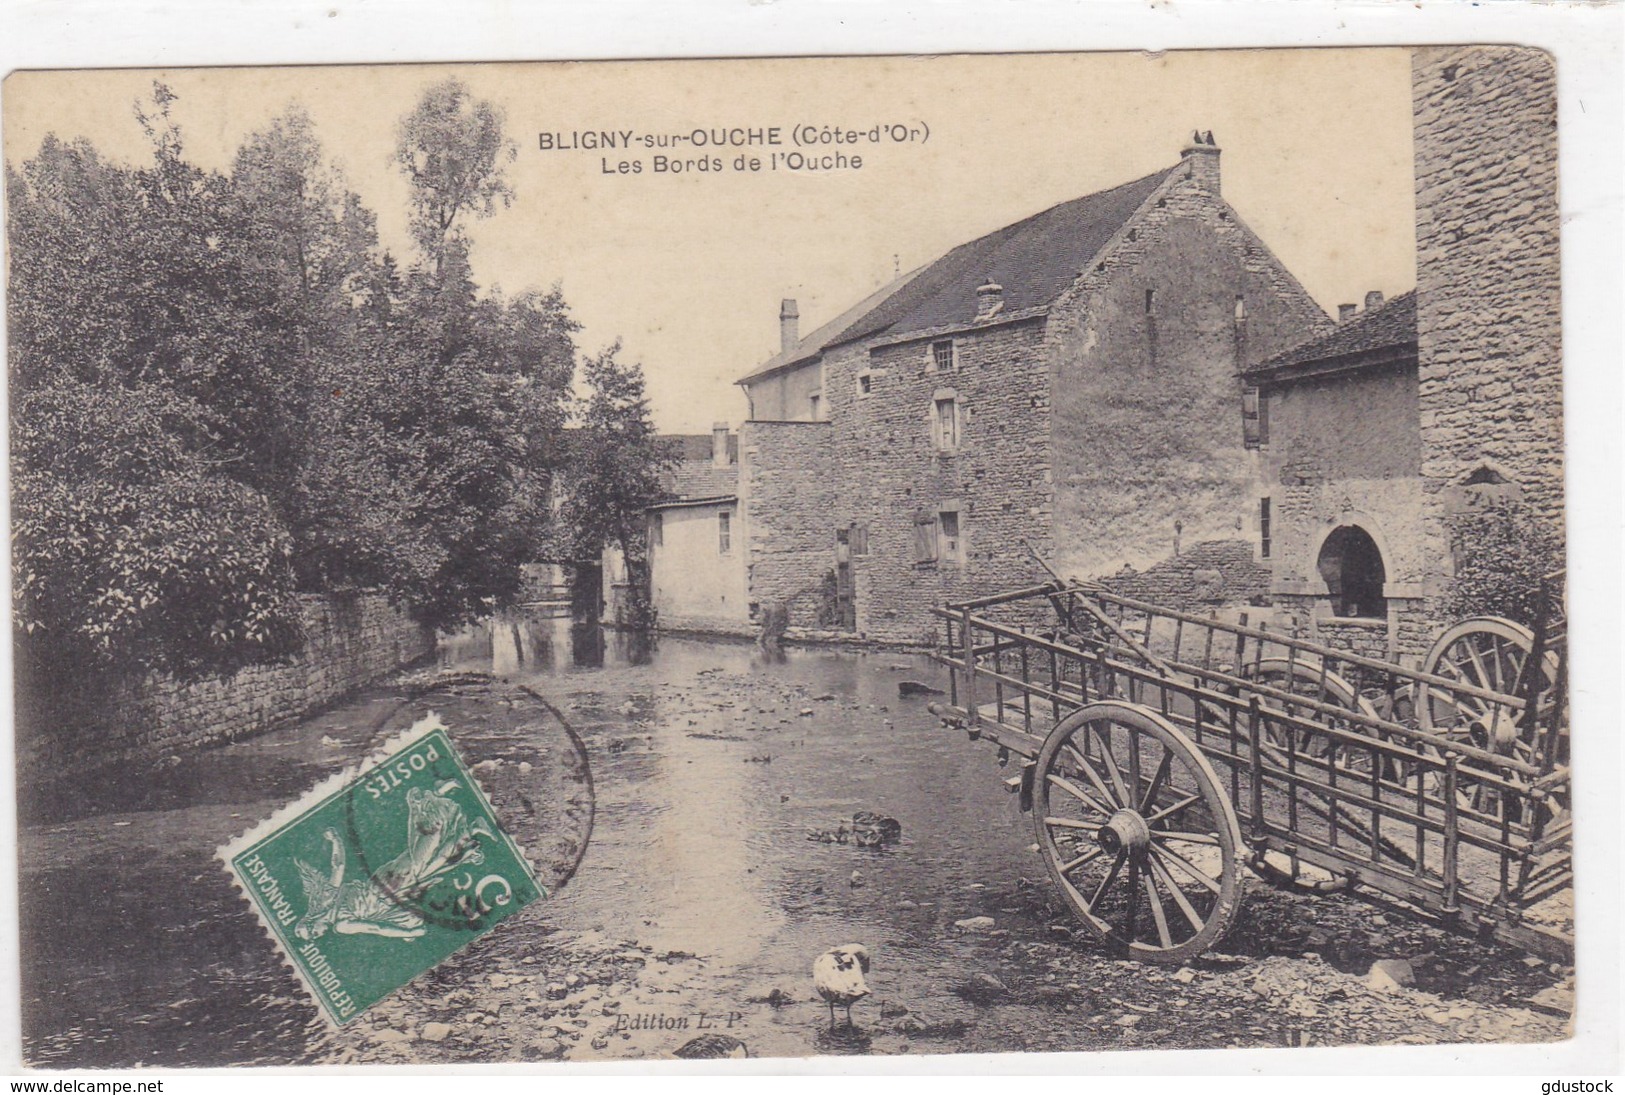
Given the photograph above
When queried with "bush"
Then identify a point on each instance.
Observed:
(1502, 550)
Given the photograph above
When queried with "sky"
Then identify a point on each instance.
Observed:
(688, 269)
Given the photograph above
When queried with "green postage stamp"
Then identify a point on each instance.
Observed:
(382, 872)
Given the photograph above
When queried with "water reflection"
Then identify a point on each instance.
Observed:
(523, 643)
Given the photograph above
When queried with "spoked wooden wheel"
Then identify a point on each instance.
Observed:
(1137, 832)
(1491, 653)
(1312, 681)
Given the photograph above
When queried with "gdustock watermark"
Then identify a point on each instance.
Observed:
(1562, 1087)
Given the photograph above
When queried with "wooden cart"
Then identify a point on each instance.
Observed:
(1163, 753)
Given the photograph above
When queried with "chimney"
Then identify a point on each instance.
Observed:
(1345, 312)
(719, 438)
(989, 300)
(1373, 300)
(789, 325)
(1201, 159)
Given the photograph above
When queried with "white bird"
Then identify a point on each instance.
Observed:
(838, 976)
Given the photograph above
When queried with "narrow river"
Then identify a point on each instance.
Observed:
(713, 762)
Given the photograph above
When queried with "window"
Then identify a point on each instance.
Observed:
(949, 546)
(925, 537)
(1255, 418)
(1264, 528)
(946, 423)
(866, 384)
(942, 356)
(858, 538)
(1150, 301)
(724, 532)
(815, 405)
(1351, 566)
(657, 529)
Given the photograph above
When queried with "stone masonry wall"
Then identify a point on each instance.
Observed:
(349, 642)
(1488, 314)
(1147, 399)
(788, 491)
(997, 479)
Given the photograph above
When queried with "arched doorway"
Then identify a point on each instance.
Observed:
(1351, 565)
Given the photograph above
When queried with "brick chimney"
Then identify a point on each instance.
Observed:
(1345, 312)
(719, 439)
(1201, 159)
(989, 300)
(789, 325)
(1373, 300)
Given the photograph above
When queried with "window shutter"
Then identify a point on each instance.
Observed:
(925, 537)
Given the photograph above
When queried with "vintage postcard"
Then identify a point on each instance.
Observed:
(789, 557)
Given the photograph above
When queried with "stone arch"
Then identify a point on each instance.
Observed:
(1373, 570)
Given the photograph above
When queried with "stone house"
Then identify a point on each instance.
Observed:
(1339, 509)
(1374, 439)
(1067, 382)
(696, 546)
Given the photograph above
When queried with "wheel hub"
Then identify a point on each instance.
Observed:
(1126, 829)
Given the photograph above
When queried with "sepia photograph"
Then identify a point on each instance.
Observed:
(790, 557)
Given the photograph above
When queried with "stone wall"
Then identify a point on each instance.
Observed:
(1146, 348)
(349, 642)
(788, 495)
(1488, 313)
(1203, 577)
(997, 479)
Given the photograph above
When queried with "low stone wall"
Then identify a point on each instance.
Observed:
(349, 642)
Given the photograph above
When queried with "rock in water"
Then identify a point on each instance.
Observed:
(711, 1047)
(915, 688)
(870, 829)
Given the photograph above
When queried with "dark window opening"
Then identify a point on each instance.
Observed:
(1264, 528)
(1352, 568)
(657, 529)
(1150, 300)
(724, 532)
(858, 538)
(948, 542)
(1485, 476)
(942, 356)
(865, 384)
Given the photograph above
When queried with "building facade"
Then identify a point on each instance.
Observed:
(1377, 439)
(1061, 389)
(696, 546)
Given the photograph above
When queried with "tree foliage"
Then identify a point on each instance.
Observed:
(1502, 550)
(452, 149)
(225, 392)
(615, 469)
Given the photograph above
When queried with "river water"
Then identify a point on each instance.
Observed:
(712, 762)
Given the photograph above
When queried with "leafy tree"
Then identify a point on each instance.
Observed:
(452, 149)
(1502, 550)
(615, 470)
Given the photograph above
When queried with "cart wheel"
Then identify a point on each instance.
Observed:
(1136, 832)
(1492, 653)
(1310, 680)
(1485, 652)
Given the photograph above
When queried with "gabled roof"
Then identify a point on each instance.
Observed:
(1378, 334)
(809, 347)
(1034, 260)
(694, 475)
